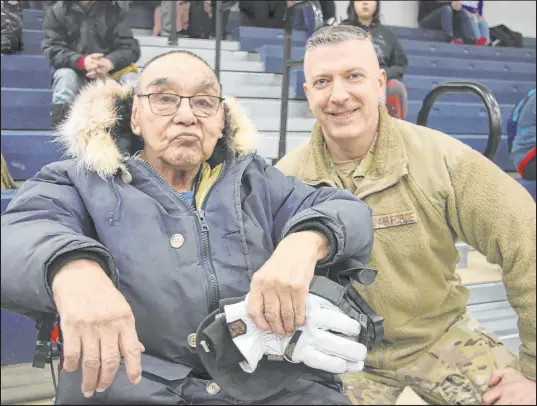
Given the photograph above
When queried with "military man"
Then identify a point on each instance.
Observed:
(427, 191)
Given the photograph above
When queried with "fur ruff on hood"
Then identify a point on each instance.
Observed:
(98, 124)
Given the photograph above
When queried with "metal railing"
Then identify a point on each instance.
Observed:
(493, 109)
(220, 7)
(172, 39)
(289, 63)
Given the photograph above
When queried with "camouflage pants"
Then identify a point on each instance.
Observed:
(455, 370)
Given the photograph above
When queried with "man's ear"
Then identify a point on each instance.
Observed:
(382, 83)
(135, 118)
(306, 89)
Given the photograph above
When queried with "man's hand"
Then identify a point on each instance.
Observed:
(97, 323)
(91, 62)
(510, 387)
(278, 291)
(99, 67)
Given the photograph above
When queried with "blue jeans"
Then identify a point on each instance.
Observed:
(480, 28)
(66, 84)
(442, 19)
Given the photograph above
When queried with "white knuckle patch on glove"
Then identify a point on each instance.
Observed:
(328, 340)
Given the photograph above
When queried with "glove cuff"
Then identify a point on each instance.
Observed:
(244, 335)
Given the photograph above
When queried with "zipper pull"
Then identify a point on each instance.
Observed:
(204, 225)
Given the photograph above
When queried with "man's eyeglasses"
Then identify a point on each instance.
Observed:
(167, 104)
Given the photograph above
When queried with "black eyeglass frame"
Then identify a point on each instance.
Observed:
(148, 95)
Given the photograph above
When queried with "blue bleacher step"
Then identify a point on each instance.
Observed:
(33, 19)
(26, 152)
(272, 58)
(416, 48)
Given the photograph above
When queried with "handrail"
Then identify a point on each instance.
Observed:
(172, 39)
(493, 109)
(289, 63)
(218, 28)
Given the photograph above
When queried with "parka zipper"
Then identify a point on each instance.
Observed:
(206, 263)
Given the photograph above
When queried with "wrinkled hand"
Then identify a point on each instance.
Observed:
(510, 387)
(97, 324)
(277, 300)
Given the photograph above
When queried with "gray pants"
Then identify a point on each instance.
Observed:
(66, 84)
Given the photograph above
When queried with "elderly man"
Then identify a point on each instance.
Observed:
(427, 191)
(134, 252)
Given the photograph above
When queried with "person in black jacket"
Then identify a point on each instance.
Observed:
(267, 14)
(86, 40)
(390, 52)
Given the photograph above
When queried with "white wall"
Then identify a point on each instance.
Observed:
(517, 15)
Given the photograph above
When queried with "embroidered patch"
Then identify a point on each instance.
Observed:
(394, 220)
(236, 328)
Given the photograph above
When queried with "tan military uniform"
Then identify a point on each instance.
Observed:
(429, 190)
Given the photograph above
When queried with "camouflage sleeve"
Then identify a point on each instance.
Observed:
(494, 214)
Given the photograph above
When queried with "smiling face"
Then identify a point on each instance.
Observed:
(182, 140)
(343, 85)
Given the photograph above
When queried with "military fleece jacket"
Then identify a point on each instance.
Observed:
(428, 191)
(171, 261)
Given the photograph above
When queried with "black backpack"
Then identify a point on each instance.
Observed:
(502, 36)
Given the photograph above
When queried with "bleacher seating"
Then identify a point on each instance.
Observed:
(27, 143)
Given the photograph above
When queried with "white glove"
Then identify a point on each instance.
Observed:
(311, 344)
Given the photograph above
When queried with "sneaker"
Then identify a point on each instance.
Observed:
(457, 41)
(481, 41)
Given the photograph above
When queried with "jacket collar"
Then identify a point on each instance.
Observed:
(388, 164)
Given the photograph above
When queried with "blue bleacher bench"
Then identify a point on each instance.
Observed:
(33, 19)
(272, 58)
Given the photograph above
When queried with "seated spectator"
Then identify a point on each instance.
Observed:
(480, 27)
(11, 27)
(267, 14)
(450, 17)
(521, 136)
(85, 41)
(163, 22)
(134, 252)
(390, 52)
